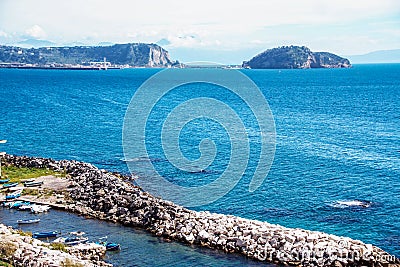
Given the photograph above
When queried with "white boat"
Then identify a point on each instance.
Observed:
(39, 208)
(28, 221)
(25, 207)
(32, 184)
(71, 240)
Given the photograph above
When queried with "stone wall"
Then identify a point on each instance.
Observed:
(102, 195)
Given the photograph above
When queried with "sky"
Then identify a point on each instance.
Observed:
(225, 31)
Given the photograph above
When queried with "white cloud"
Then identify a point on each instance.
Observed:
(221, 24)
(36, 32)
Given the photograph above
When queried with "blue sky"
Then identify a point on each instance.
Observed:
(217, 30)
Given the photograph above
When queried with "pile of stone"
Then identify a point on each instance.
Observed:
(23, 250)
(102, 195)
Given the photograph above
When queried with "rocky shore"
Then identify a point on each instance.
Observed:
(23, 250)
(103, 195)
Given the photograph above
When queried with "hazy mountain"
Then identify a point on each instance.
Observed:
(381, 56)
(35, 43)
(105, 44)
(163, 42)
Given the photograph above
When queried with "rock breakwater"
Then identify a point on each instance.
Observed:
(103, 195)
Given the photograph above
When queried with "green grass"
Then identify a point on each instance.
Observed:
(16, 174)
(5, 264)
(23, 233)
(70, 263)
(30, 192)
(58, 246)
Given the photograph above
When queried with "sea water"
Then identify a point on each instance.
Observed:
(337, 143)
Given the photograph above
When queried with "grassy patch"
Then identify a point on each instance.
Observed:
(23, 233)
(16, 174)
(70, 263)
(5, 264)
(58, 246)
(30, 192)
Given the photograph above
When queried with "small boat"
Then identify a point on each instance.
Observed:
(14, 195)
(28, 180)
(45, 234)
(71, 240)
(8, 203)
(77, 233)
(8, 185)
(39, 208)
(25, 207)
(31, 184)
(28, 221)
(18, 204)
(3, 181)
(109, 245)
(112, 246)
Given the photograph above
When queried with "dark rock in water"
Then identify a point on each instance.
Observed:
(295, 57)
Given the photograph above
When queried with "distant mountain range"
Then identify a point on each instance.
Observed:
(381, 56)
(35, 43)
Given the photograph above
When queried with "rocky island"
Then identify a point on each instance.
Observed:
(118, 55)
(295, 57)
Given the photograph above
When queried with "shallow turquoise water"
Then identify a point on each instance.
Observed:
(338, 139)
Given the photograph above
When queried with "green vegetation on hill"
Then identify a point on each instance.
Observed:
(135, 54)
(295, 57)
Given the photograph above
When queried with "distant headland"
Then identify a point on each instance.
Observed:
(134, 55)
(86, 57)
(295, 57)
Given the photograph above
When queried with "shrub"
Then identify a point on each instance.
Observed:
(7, 250)
(58, 246)
(70, 263)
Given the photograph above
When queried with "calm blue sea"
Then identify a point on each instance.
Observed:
(338, 139)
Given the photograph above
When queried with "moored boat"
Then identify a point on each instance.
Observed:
(71, 240)
(45, 234)
(14, 195)
(31, 184)
(18, 204)
(39, 208)
(28, 180)
(24, 207)
(28, 221)
(3, 181)
(8, 185)
(8, 203)
(110, 246)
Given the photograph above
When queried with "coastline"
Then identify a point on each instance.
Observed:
(100, 194)
(21, 249)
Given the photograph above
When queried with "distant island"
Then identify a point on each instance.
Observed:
(86, 57)
(295, 57)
